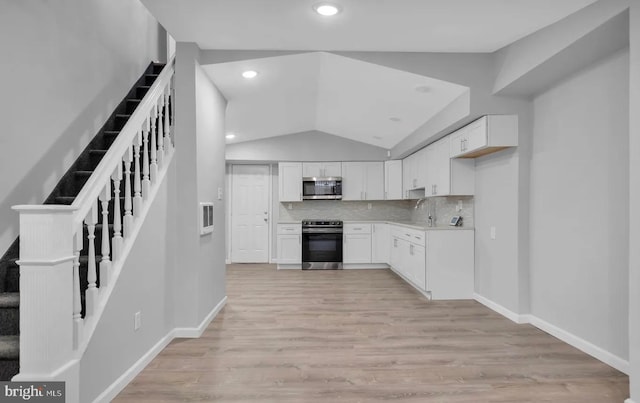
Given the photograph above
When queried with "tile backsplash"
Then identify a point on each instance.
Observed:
(444, 208)
(391, 210)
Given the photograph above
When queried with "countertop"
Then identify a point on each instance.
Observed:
(408, 224)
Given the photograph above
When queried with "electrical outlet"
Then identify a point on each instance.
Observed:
(493, 232)
(459, 208)
(368, 206)
(137, 320)
(290, 206)
(219, 193)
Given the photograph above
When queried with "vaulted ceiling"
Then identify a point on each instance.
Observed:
(315, 90)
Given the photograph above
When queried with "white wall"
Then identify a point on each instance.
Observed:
(144, 287)
(579, 205)
(65, 66)
(199, 283)
(634, 200)
(210, 118)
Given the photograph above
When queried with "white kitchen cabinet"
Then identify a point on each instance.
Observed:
(363, 180)
(321, 169)
(408, 254)
(414, 172)
(447, 176)
(380, 243)
(483, 136)
(289, 243)
(290, 181)
(356, 247)
(393, 180)
(450, 264)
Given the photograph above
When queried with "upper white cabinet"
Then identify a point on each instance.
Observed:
(290, 181)
(321, 169)
(380, 243)
(414, 172)
(488, 134)
(446, 176)
(393, 180)
(362, 180)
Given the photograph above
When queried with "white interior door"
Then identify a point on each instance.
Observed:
(250, 214)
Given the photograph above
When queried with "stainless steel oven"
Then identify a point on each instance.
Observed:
(321, 245)
(322, 188)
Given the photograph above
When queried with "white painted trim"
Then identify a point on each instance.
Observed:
(581, 344)
(45, 262)
(119, 384)
(227, 261)
(364, 266)
(629, 401)
(195, 332)
(284, 266)
(596, 352)
(517, 318)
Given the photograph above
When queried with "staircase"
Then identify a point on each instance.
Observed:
(64, 194)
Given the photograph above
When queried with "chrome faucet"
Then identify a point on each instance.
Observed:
(419, 201)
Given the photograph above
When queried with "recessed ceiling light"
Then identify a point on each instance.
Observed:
(423, 89)
(326, 9)
(394, 119)
(230, 136)
(250, 74)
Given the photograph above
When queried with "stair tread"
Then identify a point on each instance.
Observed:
(9, 347)
(9, 299)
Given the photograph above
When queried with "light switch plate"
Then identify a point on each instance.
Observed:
(219, 193)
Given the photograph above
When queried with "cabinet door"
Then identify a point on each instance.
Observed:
(394, 253)
(380, 243)
(457, 142)
(332, 169)
(477, 135)
(312, 170)
(356, 248)
(417, 265)
(441, 167)
(290, 249)
(450, 264)
(353, 179)
(393, 180)
(420, 169)
(409, 174)
(431, 168)
(290, 181)
(373, 181)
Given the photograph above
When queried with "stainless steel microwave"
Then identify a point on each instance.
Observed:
(322, 188)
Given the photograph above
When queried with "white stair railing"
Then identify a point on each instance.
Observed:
(53, 331)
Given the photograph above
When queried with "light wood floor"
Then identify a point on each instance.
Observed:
(365, 336)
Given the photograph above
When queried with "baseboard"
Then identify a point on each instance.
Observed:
(119, 384)
(517, 318)
(195, 332)
(287, 266)
(629, 401)
(116, 387)
(227, 261)
(364, 266)
(569, 338)
(581, 344)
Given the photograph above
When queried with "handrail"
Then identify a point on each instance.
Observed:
(95, 185)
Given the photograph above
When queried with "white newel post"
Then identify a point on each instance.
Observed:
(105, 262)
(167, 123)
(46, 262)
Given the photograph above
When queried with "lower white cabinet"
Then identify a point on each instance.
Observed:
(450, 264)
(438, 262)
(380, 245)
(356, 247)
(289, 247)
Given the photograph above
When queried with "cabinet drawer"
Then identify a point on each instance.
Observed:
(289, 229)
(357, 228)
(409, 235)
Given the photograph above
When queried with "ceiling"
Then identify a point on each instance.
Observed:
(334, 94)
(365, 25)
